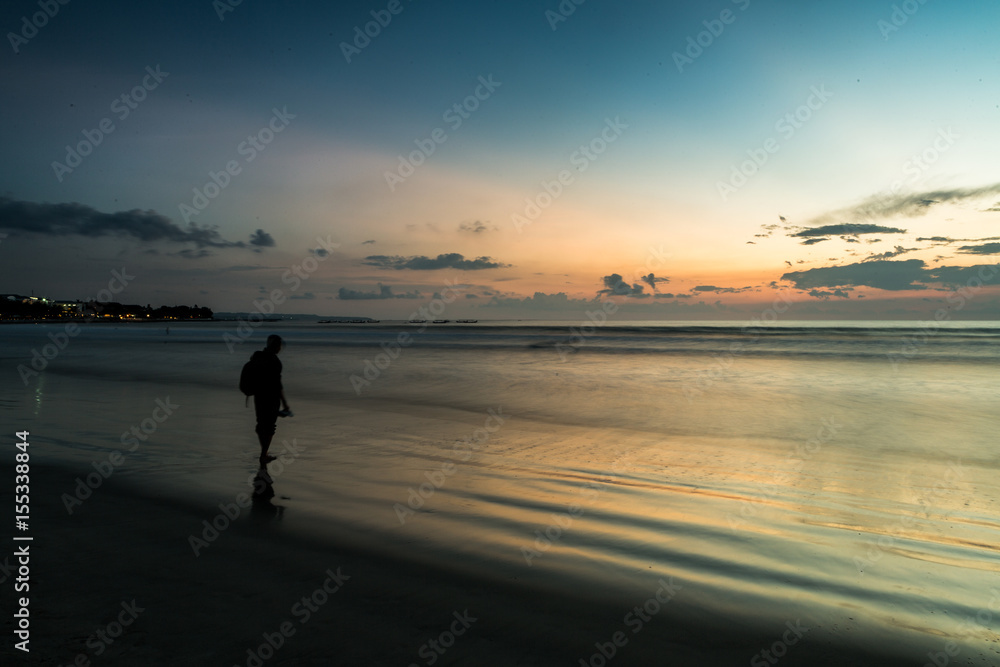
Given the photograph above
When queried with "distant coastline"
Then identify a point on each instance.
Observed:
(25, 309)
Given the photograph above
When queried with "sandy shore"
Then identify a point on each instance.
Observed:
(125, 556)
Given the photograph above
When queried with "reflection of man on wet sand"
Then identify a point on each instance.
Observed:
(269, 398)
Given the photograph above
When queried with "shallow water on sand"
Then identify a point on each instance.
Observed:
(808, 477)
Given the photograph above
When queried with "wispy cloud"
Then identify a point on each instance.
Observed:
(889, 254)
(451, 260)
(382, 292)
(905, 205)
(476, 227)
(720, 290)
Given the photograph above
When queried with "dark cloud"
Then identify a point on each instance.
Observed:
(984, 249)
(883, 274)
(476, 227)
(720, 290)
(893, 275)
(848, 229)
(451, 260)
(821, 294)
(615, 285)
(814, 241)
(75, 219)
(369, 242)
(262, 239)
(190, 253)
(384, 292)
(320, 252)
(889, 254)
(955, 276)
(652, 280)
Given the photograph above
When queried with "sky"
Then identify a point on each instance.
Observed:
(511, 160)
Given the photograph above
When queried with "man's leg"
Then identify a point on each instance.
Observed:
(267, 417)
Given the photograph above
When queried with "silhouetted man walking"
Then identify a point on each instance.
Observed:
(269, 394)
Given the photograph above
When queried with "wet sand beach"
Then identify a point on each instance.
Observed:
(627, 503)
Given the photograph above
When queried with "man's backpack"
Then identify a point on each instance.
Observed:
(250, 377)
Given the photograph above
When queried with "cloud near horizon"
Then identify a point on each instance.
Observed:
(615, 285)
(720, 290)
(383, 292)
(652, 280)
(891, 275)
(74, 219)
(984, 249)
(451, 260)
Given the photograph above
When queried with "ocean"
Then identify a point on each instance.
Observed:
(827, 482)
